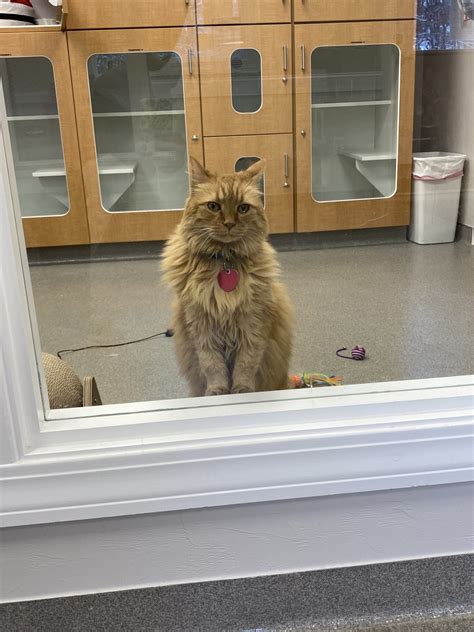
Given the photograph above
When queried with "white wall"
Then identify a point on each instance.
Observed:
(239, 541)
(447, 117)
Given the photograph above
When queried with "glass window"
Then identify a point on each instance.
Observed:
(354, 121)
(139, 124)
(246, 75)
(338, 173)
(441, 24)
(33, 123)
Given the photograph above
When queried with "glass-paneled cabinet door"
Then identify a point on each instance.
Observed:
(138, 109)
(246, 79)
(36, 107)
(243, 11)
(349, 10)
(354, 111)
(237, 153)
(101, 14)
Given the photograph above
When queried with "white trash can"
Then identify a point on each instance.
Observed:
(436, 189)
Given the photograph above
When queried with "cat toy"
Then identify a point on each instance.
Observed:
(308, 380)
(357, 353)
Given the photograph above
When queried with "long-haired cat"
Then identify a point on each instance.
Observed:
(233, 319)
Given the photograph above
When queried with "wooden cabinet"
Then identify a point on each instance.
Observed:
(111, 164)
(246, 79)
(101, 14)
(138, 116)
(243, 11)
(354, 113)
(37, 101)
(352, 10)
(236, 153)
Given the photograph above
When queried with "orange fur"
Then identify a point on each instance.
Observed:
(228, 342)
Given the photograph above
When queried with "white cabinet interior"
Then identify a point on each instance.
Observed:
(31, 108)
(355, 105)
(139, 127)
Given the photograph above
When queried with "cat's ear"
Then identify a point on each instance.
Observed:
(256, 171)
(197, 172)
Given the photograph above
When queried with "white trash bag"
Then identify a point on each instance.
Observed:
(437, 165)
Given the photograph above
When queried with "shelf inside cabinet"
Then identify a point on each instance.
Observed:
(142, 113)
(32, 117)
(112, 188)
(350, 104)
(367, 155)
(375, 166)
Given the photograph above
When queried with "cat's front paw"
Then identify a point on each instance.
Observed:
(242, 388)
(215, 389)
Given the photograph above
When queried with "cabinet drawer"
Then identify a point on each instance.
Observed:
(245, 79)
(348, 10)
(242, 11)
(101, 14)
(236, 153)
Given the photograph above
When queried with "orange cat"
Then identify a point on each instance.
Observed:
(233, 319)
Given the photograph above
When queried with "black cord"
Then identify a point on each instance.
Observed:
(168, 333)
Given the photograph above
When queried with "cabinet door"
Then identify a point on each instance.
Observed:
(349, 10)
(138, 115)
(354, 117)
(236, 153)
(101, 14)
(245, 79)
(38, 105)
(242, 11)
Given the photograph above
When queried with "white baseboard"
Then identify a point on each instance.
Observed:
(138, 551)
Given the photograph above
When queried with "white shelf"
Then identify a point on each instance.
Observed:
(33, 117)
(367, 155)
(349, 104)
(107, 168)
(144, 113)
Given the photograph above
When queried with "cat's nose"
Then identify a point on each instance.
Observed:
(229, 223)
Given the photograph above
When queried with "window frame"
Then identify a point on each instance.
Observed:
(136, 458)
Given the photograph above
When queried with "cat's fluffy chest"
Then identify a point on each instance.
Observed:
(205, 287)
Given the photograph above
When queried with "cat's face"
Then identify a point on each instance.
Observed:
(227, 209)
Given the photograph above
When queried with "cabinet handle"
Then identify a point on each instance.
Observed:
(190, 61)
(186, 2)
(303, 65)
(285, 58)
(286, 169)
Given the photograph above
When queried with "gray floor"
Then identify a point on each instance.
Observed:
(433, 595)
(410, 306)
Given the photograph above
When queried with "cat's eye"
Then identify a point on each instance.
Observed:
(214, 206)
(243, 208)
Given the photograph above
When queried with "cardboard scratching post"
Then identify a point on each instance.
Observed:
(65, 389)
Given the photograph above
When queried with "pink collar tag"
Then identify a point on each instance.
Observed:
(228, 279)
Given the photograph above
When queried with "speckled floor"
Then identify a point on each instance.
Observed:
(411, 307)
(432, 595)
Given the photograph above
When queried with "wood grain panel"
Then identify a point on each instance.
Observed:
(71, 228)
(129, 226)
(348, 10)
(393, 211)
(222, 154)
(101, 14)
(243, 11)
(216, 45)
